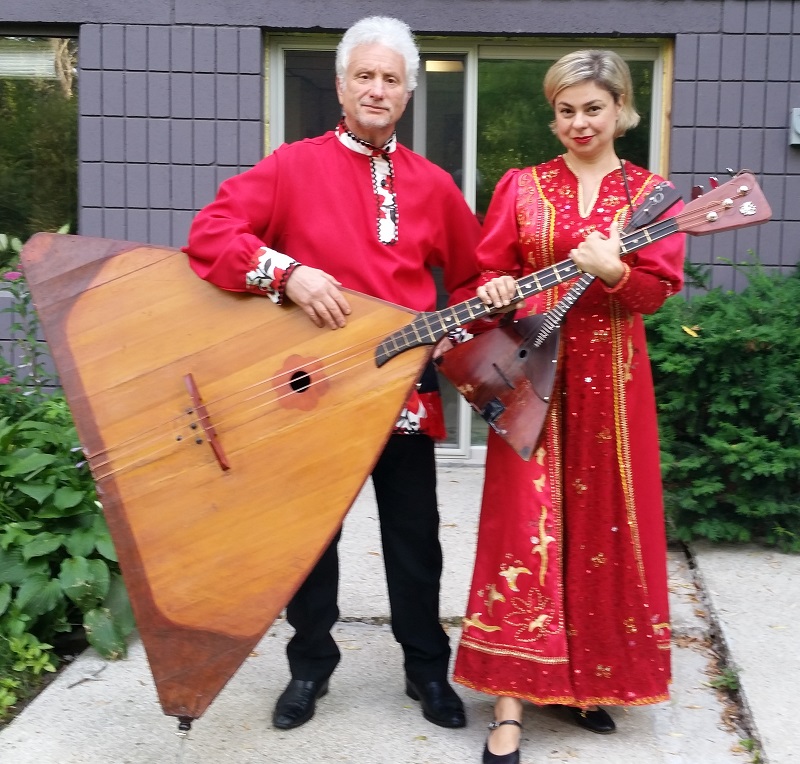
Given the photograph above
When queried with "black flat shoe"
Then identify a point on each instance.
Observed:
(598, 721)
(495, 758)
(440, 704)
(297, 703)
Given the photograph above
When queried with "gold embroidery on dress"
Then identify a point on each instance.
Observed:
(629, 362)
(598, 560)
(604, 435)
(492, 596)
(540, 482)
(475, 621)
(540, 545)
(510, 574)
(630, 625)
(604, 672)
(600, 335)
(529, 616)
(579, 486)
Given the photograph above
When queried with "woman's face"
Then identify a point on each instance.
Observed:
(586, 119)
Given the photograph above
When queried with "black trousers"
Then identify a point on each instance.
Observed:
(405, 489)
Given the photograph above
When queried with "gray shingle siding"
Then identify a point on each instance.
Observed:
(171, 96)
(163, 110)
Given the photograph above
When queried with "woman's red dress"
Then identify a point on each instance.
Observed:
(568, 603)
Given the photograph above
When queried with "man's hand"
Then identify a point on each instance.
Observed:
(317, 293)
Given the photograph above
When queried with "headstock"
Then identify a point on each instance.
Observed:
(738, 203)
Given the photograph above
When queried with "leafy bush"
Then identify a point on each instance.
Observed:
(58, 569)
(726, 367)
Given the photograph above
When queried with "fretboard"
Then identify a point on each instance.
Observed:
(429, 328)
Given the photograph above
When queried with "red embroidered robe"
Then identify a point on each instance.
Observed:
(568, 603)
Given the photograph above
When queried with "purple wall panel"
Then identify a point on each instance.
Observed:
(251, 97)
(227, 142)
(158, 94)
(730, 104)
(159, 187)
(751, 154)
(136, 195)
(709, 57)
(790, 246)
(227, 95)
(204, 96)
(113, 139)
(90, 97)
(158, 132)
(768, 246)
(181, 145)
(776, 107)
(684, 99)
(90, 177)
(728, 142)
(732, 57)
(779, 56)
(137, 226)
(136, 94)
(113, 185)
(135, 48)
(226, 51)
(113, 84)
(186, 79)
(136, 140)
(181, 49)
(90, 139)
(708, 97)
(204, 53)
(753, 103)
(158, 49)
(204, 142)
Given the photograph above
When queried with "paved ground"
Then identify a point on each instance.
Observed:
(733, 605)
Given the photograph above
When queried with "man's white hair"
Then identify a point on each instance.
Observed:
(384, 30)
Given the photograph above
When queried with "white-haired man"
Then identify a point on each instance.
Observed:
(354, 208)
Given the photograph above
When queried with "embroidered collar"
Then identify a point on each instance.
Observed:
(352, 141)
(387, 216)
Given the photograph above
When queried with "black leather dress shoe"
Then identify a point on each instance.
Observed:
(599, 720)
(297, 703)
(440, 704)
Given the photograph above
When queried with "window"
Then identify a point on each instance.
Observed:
(38, 135)
(478, 110)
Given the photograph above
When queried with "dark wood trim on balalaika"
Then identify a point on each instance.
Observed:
(428, 328)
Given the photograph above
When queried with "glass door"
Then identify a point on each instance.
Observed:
(478, 110)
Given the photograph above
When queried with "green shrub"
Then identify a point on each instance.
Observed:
(58, 569)
(726, 367)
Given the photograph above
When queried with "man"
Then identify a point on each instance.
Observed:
(354, 208)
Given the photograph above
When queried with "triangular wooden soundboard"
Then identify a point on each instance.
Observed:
(212, 544)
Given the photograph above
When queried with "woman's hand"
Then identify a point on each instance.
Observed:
(600, 255)
(499, 293)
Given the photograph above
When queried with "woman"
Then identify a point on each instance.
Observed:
(568, 603)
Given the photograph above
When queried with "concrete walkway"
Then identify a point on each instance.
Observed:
(737, 606)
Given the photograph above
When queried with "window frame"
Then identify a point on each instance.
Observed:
(660, 51)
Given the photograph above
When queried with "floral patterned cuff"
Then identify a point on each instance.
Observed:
(269, 274)
(621, 283)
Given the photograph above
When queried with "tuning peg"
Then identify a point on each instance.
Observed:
(697, 191)
(730, 171)
(713, 181)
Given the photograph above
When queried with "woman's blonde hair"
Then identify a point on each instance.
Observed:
(603, 67)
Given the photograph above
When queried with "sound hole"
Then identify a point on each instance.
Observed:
(300, 381)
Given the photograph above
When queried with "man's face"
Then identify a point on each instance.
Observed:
(373, 92)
